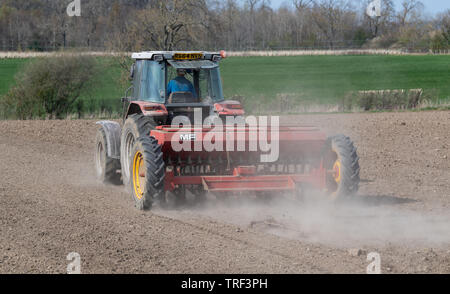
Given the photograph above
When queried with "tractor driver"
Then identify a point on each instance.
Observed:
(181, 84)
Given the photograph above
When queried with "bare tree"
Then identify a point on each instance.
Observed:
(409, 7)
(445, 26)
(303, 19)
(331, 17)
(251, 20)
(301, 5)
(208, 24)
(166, 25)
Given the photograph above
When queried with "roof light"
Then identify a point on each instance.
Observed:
(158, 58)
(223, 54)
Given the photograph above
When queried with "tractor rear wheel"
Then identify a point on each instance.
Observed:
(106, 167)
(342, 162)
(147, 172)
(137, 125)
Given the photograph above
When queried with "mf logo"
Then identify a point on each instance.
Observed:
(188, 137)
(74, 8)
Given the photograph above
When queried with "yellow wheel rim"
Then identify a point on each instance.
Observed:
(138, 171)
(337, 171)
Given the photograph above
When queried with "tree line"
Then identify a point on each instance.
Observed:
(130, 25)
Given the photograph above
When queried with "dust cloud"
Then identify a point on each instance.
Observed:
(351, 223)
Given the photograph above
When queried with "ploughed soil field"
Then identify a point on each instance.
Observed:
(52, 205)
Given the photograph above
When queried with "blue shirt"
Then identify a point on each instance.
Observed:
(180, 84)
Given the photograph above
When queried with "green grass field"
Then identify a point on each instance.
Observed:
(107, 88)
(326, 79)
(319, 79)
(8, 69)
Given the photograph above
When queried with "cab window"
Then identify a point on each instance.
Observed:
(149, 81)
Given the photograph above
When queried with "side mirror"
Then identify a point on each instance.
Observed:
(127, 98)
(132, 72)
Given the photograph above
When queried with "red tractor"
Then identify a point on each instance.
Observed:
(141, 152)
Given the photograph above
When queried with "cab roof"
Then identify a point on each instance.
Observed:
(172, 55)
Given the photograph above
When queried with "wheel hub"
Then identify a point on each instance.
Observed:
(138, 175)
(337, 171)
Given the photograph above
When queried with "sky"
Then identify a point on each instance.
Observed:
(431, 6)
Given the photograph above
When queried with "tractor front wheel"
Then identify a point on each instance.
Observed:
(147, 171)
(106, 167)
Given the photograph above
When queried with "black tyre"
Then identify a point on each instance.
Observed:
(147, 170)
(105, 167)
(137, 125)
(342, 159)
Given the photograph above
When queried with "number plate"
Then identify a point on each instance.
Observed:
(187, 56)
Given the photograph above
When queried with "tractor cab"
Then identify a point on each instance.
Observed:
(154, 75)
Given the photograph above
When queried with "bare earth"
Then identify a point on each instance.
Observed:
(51, 205)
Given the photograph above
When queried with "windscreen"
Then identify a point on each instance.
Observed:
(206, 82)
